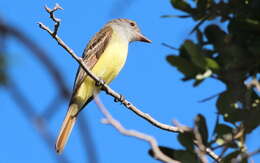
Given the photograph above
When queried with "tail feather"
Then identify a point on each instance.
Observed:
(66, 128)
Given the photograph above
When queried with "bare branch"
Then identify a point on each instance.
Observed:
(248, 155)
(201, 147)
(254, 152)
(110, 120)
(52, 16)
(208, 150)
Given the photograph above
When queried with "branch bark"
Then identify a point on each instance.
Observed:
(117, 125)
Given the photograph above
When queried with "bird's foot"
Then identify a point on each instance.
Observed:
(100, 82)
(120, 99)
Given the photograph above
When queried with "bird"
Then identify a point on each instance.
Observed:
(105, 56)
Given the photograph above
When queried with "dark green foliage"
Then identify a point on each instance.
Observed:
(225, 135)
(184, 156)
(201, 126)
(231, 157)
(186, 140)
(228, 53)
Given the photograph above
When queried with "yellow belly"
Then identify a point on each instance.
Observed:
(107, 67)
(112, 60)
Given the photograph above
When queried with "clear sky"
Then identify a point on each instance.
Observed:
(147, 80)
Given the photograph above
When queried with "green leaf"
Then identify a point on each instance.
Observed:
(227, 105)
(224, 134)
(244, 26)
(212, 64)
(180, 155)
(183, 65)
(225, 102)
(186, 140)
(223, 129)
(251, 116)
(202, 4)
(195, 53)
(215, 36)
(200, 123)
(199, 36)
(197, 83)
(232, 157)
(254, 48)
(181, 5)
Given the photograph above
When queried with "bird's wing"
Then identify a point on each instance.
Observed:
(92, 53)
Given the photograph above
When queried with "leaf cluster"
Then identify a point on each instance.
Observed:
(229, 53)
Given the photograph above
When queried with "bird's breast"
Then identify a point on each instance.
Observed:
(112, 60)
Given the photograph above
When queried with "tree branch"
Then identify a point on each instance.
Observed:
(52, 16)
(116, 124)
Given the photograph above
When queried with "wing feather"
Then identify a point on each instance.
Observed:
(93, 52)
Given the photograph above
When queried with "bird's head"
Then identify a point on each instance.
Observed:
(129, 29)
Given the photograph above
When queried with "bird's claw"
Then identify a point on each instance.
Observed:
(100, 82)
(120, 99)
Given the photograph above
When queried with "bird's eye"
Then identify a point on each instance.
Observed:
(132, 24)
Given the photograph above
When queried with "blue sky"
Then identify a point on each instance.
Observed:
(147, 80)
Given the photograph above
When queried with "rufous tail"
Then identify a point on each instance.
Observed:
(66, 128)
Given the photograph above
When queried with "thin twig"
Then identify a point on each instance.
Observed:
(210, 97)
(223, 151)
(175, 16)
(201, 147)
(208, 150)
(213, 155)
(254, 152)
(169, 46)
(52, 16)
(117, 125)
(201, 155)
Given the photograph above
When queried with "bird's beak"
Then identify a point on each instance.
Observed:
(142, 38)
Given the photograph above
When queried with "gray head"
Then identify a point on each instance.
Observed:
(129, 29)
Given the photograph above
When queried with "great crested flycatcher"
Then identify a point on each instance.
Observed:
(105, 55)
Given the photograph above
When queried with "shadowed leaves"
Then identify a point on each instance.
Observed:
(229, 53)
(184, 156)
